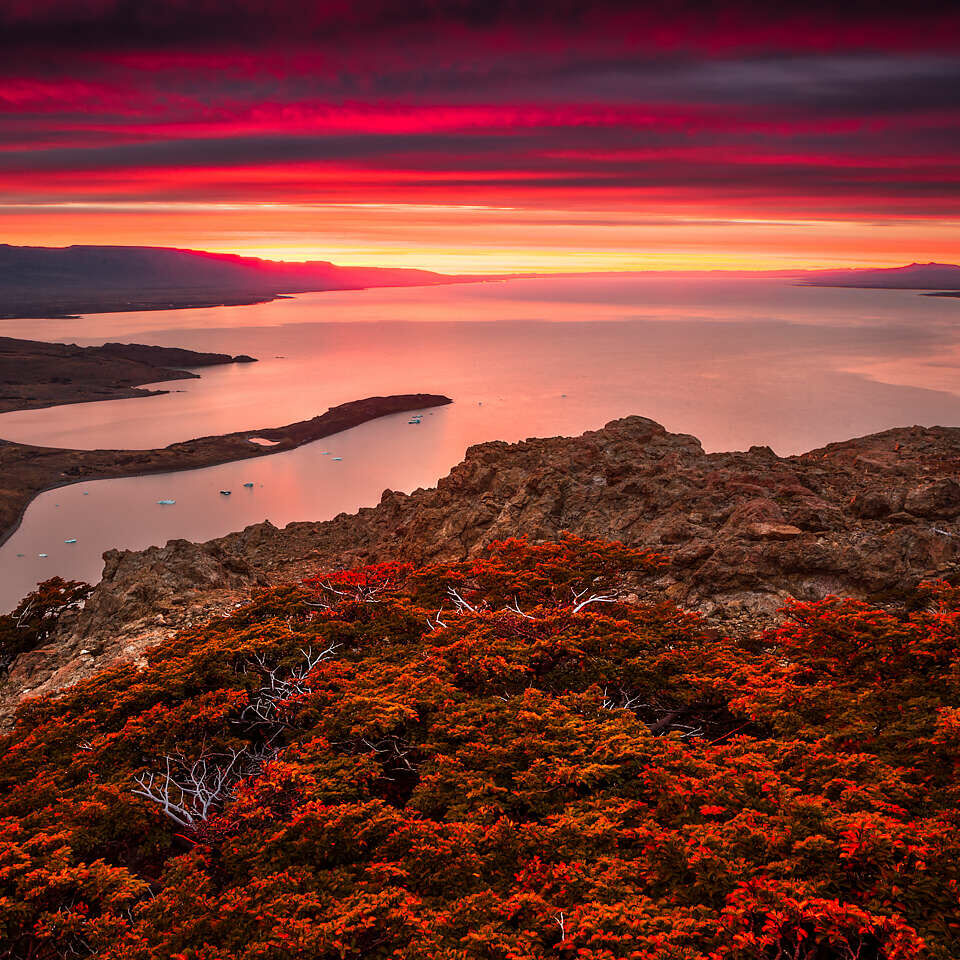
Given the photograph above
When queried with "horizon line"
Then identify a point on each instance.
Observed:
(481, 274)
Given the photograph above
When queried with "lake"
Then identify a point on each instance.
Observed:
(735, 362)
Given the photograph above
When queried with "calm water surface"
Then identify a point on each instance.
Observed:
(734, 362)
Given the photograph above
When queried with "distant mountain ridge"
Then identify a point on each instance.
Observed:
(914, 276)
(122, 267)
(57, 281)
(66, 281)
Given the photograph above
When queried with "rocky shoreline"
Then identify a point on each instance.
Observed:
(870, 518)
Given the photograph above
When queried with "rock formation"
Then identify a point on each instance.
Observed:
(867, 518)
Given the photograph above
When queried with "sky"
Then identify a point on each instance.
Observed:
(486, 137)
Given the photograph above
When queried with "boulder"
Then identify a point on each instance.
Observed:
(874, 504)
(939, 499)
(773, 531)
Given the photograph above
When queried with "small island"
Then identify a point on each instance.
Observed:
(29, 470)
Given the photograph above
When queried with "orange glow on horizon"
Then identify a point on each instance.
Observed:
(479, 239)
(486, 138)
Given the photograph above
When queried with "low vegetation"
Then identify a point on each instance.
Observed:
(35, 618)
(503, 759)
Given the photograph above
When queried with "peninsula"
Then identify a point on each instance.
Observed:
(29, 470)
(35, 374)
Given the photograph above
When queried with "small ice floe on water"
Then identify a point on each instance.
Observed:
(224, 493)
(165, 503)
(249, 483)
(41, 555)
(71, 540)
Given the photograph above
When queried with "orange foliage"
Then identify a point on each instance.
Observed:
(465, 761)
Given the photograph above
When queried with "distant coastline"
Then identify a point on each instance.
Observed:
(55, 309)
(68, 282)
(77, 310)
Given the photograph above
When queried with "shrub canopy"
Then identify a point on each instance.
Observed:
(501, 759)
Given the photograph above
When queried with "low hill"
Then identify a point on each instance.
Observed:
(506, 758)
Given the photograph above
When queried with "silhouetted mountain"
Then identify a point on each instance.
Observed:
(45, 281)
(916, 276)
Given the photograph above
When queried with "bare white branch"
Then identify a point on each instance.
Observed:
(626, 701)
(516, 609)
(189, 791)
(459, 602)
(360, 593)
(436, 623)
(581, 599)
(271, 706)
(24, 617)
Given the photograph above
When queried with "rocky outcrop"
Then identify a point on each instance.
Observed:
(150, 593)
(868, 518)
